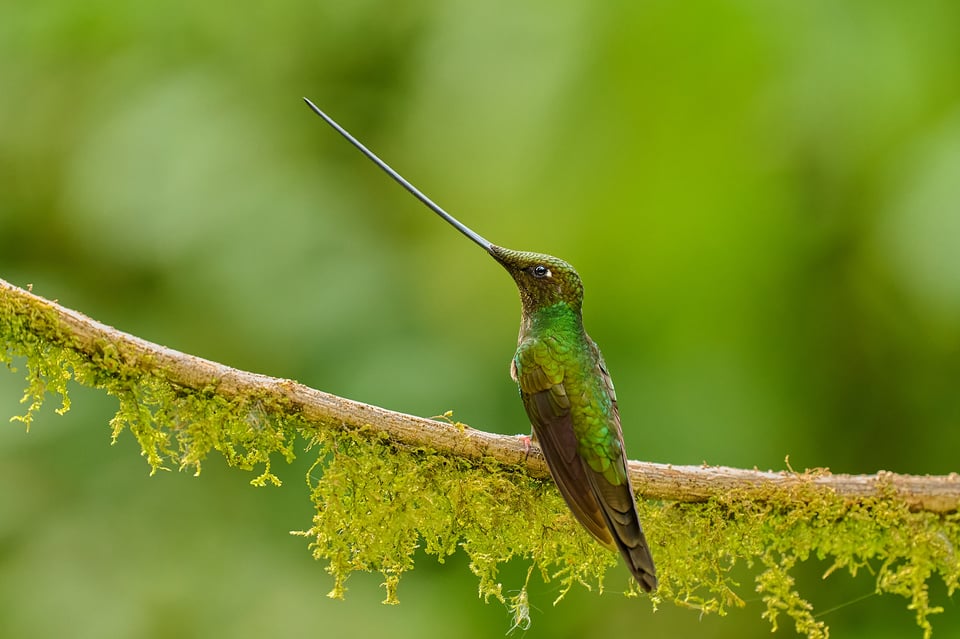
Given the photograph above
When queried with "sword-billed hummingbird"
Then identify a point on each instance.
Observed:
(566, 390)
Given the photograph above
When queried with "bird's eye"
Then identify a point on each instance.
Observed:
(540, 271)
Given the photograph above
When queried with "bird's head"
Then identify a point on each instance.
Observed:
(543, 280)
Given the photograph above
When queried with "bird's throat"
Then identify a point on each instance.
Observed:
(556, 319)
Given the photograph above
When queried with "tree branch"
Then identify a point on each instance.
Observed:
(91, 339)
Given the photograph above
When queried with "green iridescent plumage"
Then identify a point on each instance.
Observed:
(566, 390)
(569, 396)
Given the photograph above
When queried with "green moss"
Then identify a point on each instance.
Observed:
(377, 503)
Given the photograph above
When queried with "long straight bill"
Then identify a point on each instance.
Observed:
(417, 193)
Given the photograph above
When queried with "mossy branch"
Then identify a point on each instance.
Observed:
(92, 340)
(386, 483)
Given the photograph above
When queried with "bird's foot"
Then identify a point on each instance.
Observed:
(527, 442)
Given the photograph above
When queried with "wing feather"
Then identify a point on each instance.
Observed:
(548, 408)
(607, 510)
(617, 502)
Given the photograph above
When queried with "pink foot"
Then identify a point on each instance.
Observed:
(527, 441)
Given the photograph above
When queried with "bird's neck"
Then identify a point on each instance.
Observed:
(553, 319)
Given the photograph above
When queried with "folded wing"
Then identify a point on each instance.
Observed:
(606, 509)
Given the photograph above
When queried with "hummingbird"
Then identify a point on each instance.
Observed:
(566, 390)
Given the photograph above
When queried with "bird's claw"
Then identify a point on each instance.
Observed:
(527, 443)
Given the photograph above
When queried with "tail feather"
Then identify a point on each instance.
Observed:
(619, 510)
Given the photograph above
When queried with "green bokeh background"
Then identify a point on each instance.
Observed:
(763, 200)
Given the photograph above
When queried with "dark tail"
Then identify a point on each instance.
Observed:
(640, 562)
(620, 511)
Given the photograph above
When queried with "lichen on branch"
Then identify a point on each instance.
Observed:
(386, 484)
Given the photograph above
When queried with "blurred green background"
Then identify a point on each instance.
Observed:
(762, 200)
